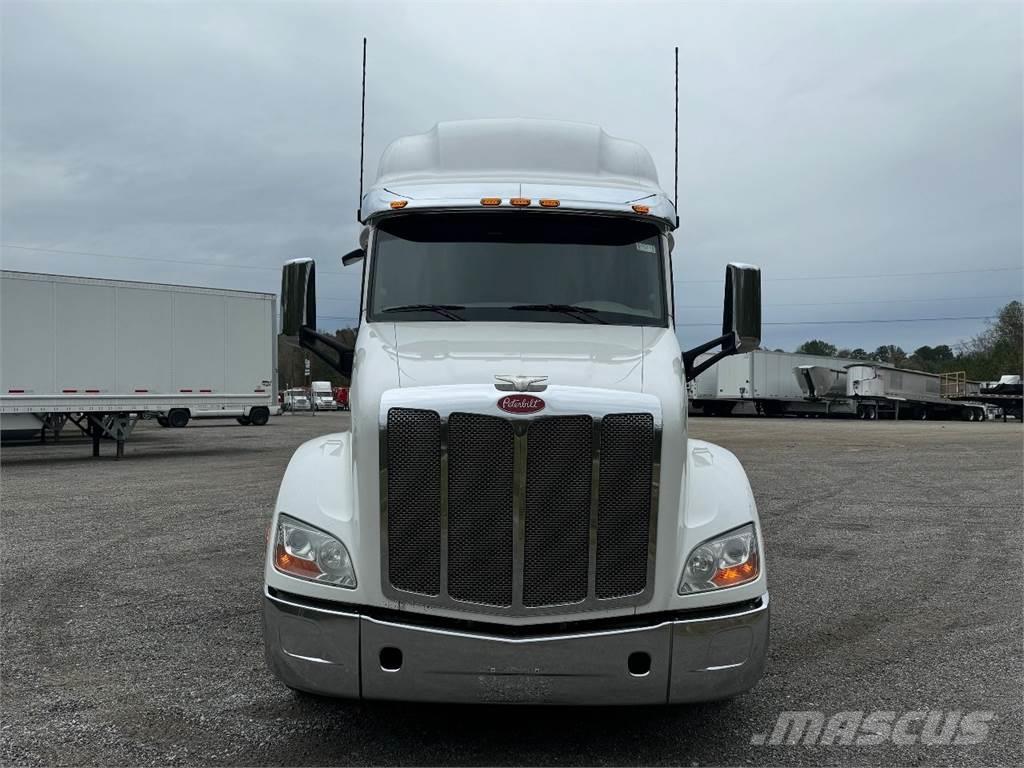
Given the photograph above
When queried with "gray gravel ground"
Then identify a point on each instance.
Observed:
(131, 625)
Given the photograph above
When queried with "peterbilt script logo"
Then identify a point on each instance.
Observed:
(521, 404)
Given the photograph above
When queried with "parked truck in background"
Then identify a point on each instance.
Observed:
(518, 513)
(101, 354)
(322, 396)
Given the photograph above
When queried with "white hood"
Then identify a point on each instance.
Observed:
(567, 353)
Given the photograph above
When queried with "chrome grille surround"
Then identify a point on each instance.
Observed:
(629, 581)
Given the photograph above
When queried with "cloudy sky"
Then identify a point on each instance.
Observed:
(866, 155)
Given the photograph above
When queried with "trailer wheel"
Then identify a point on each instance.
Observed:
(162, 421)
(871, 412)
(923, 414)
(178, 417)
(244, 421)
(259, 416)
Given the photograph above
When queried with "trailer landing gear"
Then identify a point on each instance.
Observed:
(113, 426)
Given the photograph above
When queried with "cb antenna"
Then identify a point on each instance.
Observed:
(362, 138)
(676, 189)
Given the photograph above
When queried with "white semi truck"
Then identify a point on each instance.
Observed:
(100, 354)
(517, 513)
(322, 395)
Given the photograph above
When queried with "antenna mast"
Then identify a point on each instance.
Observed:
(362, 138)
(676, 189)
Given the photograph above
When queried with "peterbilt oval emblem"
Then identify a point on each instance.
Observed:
(521, 404)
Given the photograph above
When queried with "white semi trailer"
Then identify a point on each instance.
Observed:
(517, 513)
(101, 354)
(763, 381)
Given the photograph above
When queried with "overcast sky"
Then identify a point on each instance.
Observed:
(818, 139)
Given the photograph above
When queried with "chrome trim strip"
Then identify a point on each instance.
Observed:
(443, 486)
(304, 607)
(519, 458)
(311, 659)
(595, 508)
(765, 600)
(517, 640)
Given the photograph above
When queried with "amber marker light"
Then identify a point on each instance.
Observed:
(295, 565)
(520, 202)
(644, 209)
(398, 204)
(547, 203)
(490, 201)
(737, 574)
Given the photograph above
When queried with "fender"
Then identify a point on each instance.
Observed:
(318, 489)
(716, 498)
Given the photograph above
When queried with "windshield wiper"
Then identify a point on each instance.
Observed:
(583, 314)
(445, 310)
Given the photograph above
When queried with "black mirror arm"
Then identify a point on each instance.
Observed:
(336, 354)
(728, 343)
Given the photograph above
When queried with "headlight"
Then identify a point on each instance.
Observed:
(303, 551)
(725, 561)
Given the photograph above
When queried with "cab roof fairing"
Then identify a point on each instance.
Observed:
(456, 164)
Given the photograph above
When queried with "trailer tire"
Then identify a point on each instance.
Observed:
(258, 417)
(162, 421)
(178, 417)
(923, 414)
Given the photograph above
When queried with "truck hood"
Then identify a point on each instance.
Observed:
(567, 353)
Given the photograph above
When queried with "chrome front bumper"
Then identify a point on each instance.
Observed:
(353, 655)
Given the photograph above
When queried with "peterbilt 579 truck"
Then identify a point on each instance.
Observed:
(517, 513)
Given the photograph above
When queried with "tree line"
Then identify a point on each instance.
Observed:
(998, 350)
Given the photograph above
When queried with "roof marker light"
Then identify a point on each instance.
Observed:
(642, 208)
(396, 204)
(548, 203)
(520, 202)
(490, 201)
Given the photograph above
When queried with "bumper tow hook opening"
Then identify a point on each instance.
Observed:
(390, 659)
(639, 664)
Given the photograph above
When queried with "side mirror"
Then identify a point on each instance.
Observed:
(741, 320)
(742, 311)
(298, 316)
(298, 296)
(353, 256)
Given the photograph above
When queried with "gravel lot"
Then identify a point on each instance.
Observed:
(131, 595)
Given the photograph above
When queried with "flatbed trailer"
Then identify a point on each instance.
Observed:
(102, 354)
(881, 390)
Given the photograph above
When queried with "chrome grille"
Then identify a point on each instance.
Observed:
(518, 515)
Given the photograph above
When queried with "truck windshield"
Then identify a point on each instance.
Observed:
(517, 266)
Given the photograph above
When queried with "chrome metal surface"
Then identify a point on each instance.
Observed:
(338, 653)
(510, 383)
(559, 555)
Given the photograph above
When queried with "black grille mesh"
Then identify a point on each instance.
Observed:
(414, 500)
(624, 512)
(480, 463)
(558, 470)
(481, 566)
